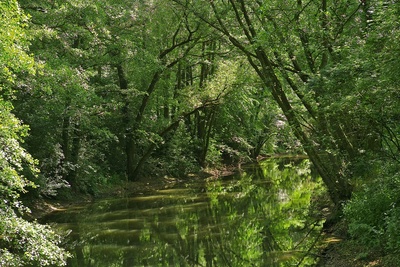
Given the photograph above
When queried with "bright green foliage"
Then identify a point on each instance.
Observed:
(246, 118)
(13, 158)
(140, 88)
(132, 88)
(22, 243)
(68, 135)
(288, 45)
(14, 41)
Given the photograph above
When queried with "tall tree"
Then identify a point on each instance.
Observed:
(153, 57)
(68, 125)
(292, 46)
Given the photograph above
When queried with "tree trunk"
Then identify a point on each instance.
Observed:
(70, 146)
(74, 160)
(328, 165)
(130, 146)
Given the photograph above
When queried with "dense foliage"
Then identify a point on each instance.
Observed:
(124, 90)
(22, 243)
(373, 212)
(134, 89)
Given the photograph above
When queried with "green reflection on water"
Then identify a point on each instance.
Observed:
(259, 217)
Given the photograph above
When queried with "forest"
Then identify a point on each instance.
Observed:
(100, 93)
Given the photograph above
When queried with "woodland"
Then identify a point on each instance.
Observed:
(97, 93)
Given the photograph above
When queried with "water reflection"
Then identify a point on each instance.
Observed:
(259, 217)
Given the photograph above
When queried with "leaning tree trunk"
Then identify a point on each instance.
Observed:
(328, 165)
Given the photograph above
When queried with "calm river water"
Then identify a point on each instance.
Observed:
(258, 217)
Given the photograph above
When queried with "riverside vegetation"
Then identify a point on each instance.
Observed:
(98, 93)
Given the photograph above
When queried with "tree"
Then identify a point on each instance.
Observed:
(291, 46)
(135, 66)
(73, 41)
(166, 49)
(246, 119)
(21, 242)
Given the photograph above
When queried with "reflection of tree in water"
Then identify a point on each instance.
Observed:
(243, 217)
(257, 218)
(268, 227)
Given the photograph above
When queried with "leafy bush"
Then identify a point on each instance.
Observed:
(374, 212)
(22, 243)
(26, 243)
(392, 230)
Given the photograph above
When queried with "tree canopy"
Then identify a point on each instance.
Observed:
(112, 90)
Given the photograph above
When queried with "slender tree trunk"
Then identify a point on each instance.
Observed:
(130, 145)
(74, 160)
(70, 146)
(65, 137)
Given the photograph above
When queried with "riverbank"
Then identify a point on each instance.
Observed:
(348, 254)
(41, 206)
(338, 249)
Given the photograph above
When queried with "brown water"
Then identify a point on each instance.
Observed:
(259, 217)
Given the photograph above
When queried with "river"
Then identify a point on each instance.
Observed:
(261, 216)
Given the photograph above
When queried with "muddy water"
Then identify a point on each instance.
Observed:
(258, 217)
